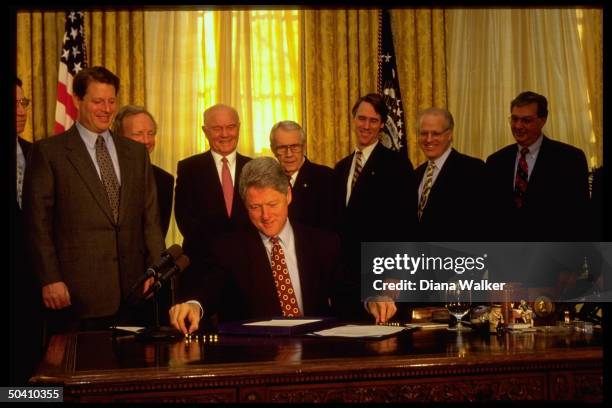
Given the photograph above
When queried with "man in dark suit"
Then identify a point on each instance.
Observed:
(375, 188)
(91, 211)
(451, 205)
(25, 311)
(311, 183)
(539, 186)
(207, 203)
(284, 268)
(136, 123)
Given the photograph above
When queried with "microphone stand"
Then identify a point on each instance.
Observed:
(157, 332)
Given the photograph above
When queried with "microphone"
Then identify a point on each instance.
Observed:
(180, 264)
(167, 259)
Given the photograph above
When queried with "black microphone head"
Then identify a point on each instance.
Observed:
(182, 262)
(174, 251)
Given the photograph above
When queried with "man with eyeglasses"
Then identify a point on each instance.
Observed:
(311, 183)
(138, 124)
(375, 191)
(539, 186)
(25, 311)
(451, 203)
(207, 203)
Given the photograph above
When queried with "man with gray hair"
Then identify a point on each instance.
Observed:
(138, 124)
(207, 203)
(311, 183)
(451, 195)
(284, 268)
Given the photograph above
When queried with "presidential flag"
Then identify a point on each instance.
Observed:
(394, 133)
(72, 60)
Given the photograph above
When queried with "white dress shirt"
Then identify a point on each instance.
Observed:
(366, 152)
(89, 138)
(439, 162)
(231, 163)
(531, 157)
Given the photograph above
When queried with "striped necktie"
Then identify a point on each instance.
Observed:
(521, 179)
(358, 167)
(431, 166)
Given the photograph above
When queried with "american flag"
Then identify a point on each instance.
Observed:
(394, 133)
(73, 60)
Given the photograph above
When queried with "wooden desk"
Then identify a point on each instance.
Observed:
(426, 365)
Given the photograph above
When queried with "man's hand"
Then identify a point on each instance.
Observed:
(382, 310)
(56, 296)
(148, 283)
(185, 311)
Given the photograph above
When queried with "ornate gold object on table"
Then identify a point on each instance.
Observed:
(544, 310)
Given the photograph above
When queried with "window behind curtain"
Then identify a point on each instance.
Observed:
(251, 60)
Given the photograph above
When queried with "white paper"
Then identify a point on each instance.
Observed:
(282, 322)
(133, 329)
(351, 330)
(427, 325)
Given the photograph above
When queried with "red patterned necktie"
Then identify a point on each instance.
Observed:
(228, 187)
(282, 280)
(520, 180)
(108, 176)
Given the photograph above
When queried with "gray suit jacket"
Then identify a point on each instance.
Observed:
(72, 235)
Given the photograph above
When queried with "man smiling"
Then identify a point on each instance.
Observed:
(539, 186)
(91, 210)
(282, 269)
(451, 203)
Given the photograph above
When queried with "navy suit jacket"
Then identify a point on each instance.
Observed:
(382, 206)
(165, 193)
(312, 196)
(242, 287)
(556, 201)
(456, 207)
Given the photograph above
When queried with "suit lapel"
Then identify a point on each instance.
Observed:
(261, 274)
(215, 191)
(127, 158)
(540, 163)
(367, 173)
(81, 160)
(305, 258)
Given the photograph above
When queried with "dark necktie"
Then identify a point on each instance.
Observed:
(282, 280)
(431, 166)
(520, 180)
(358, 166)
(228, 187)
(108, 176)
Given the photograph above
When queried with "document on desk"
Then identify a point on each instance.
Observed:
(359, 331)
(282, 322)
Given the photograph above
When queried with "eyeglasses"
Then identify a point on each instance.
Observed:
(24, 102)
(525, 120)
(295, 148)
(434, 135)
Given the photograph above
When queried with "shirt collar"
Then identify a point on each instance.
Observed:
(90, 137)
(231, 158)
(439, 162)
(534, 148)
(367, 151)
(285, 234)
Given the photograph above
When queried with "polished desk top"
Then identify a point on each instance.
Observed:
(85, 357)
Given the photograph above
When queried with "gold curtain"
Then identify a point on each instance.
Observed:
(173, 68)
(419, 41)
(340, 64)
(113, 39)
(497, 53)
(592, 52)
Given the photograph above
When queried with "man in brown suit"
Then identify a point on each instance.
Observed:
(91, 211)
